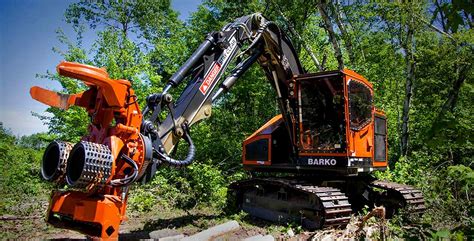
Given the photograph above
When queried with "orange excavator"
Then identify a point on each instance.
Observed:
(312, 163)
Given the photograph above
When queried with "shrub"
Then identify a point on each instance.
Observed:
(21, 189)
(198, 184)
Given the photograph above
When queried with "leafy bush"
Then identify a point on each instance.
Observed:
(448, 192)
(208, 184)
(198, 184)
(21, 189)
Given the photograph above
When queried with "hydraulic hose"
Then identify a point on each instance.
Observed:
(166, 159)
(128, 179)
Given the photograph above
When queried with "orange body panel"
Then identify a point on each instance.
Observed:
(258, 135)
(352, 74)
(255, 162)
(271, 122)
(107, 211)
(361, 142)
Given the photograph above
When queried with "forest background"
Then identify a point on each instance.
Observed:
(417, 54)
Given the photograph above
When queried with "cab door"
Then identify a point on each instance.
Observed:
(360, 115)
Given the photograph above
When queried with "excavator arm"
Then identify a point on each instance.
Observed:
(247, 40)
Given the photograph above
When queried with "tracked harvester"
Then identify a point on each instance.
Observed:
(317, 156)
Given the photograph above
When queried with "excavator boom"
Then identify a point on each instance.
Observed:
(248, 39)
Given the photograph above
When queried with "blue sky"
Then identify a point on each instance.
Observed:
(27, 35)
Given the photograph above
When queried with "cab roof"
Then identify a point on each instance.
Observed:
(346, 72)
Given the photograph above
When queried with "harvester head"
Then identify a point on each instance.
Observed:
(93, 175)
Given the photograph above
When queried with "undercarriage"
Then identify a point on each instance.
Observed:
(316, 204)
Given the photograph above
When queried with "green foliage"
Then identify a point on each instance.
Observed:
(454, 12)
(293, 227)
(20, 177)
(142, 200)
(36, 141)
(446, 234)
(462, 178)
(451, 192)
(199, 184)
(208, 184)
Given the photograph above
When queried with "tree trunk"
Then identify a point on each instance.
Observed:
(450, 103)
(322, 7)
(305, 45)
(454, 93)
(409, 48)
(336, 12)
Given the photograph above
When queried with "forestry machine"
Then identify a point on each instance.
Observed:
(312, 162)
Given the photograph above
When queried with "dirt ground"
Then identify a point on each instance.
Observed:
(172, 222)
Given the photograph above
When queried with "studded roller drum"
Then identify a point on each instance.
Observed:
(89, 165)
(53, 165)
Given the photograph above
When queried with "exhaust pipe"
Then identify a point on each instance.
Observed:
(89, 165)
(53, 165)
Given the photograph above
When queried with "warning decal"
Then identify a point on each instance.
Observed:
(209, 78)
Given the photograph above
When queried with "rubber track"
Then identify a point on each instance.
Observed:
(413, 198)
(337, 209)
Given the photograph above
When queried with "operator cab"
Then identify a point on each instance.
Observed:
(336, 128)
(321, 114)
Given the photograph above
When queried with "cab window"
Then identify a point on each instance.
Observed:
(360, 105)
(322, 114)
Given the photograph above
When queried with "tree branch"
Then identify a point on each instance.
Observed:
(305, 45)
(435, 28)
(322, 7)
(345, 35)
